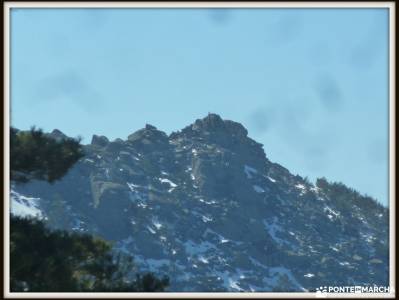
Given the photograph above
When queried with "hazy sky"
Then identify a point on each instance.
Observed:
(310, 84)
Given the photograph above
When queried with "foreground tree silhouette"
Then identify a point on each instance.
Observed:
(35, 155)
(42, 260)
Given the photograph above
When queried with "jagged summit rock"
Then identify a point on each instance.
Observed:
(225, 134)
(99, 140)
(206, 207)
(58, 135)
(150, 127)
(211, 121)
(213, 124)
(149, 139)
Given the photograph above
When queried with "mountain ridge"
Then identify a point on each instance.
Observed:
(207, 207)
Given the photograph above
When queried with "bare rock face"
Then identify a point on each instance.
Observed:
(57, 135)
(206, 207)
(149, 139)
(214, 129)
(99, 140)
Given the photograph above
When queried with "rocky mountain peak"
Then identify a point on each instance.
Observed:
(206, 207)
(214, 124)
(149, 138)
(150, 127)
(58, 135)
(211, 121)
(214, 130)
(99, 140)
(148, 132)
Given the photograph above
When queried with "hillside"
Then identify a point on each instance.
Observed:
(206, 207)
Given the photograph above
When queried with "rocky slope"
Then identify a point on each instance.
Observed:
(205, 206)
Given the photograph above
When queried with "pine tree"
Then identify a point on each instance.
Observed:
(35, 155)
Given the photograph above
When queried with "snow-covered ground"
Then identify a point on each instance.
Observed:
(24, 206)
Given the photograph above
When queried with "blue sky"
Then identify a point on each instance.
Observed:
(310, 84)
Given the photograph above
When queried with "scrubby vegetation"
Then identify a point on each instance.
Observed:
(345, 198)
(35, 155)
(43, 260)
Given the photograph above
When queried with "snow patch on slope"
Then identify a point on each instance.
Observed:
(24, 206)
(258, 189)
(165, 180)
(272, 228)
(249, 171)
